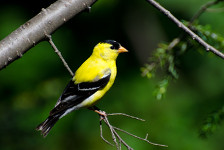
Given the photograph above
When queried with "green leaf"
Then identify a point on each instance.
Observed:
(161, 89)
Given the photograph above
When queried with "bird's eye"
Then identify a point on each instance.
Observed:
(112, 47)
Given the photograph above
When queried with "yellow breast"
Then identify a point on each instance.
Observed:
(94, 69)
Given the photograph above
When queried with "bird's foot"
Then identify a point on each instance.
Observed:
(102, 114)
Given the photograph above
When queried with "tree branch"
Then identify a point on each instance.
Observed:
(186, 29)
(59, 54)
(33, 31)
(195, 17)
(115, 135)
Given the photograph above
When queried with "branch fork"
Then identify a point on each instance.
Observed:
(194, 36)
(116, 136)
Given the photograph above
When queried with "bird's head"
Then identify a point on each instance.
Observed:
(108, 49)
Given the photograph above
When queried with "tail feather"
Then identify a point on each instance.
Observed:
(46, 126)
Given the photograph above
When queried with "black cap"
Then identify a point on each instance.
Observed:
(115, 45)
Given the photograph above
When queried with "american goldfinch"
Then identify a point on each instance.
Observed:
(90, 82)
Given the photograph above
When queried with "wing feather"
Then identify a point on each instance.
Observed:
(74, 94)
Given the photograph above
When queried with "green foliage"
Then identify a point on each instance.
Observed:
(161, 89)
(210, 36)
(163, 59)
(211, 123)
(166, 57)
(207, 34)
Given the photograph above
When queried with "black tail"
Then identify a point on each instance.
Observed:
(46, 126)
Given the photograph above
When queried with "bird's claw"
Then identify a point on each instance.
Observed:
(101, 113)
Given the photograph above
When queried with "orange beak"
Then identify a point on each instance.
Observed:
(122, 49)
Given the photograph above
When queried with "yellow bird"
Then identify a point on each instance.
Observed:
(90, 82)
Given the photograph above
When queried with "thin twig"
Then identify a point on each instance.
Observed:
(143, 139)
(146, 136)
(123, 114)
(101, 134)
(59, 54)
(105, 119)
(174, 42)
(186, 29)
(114, 134)
(203, 9)
(120, 144)
(122, 141)
(215, 10)
(196, 16)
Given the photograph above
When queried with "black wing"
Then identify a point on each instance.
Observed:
(76, 93)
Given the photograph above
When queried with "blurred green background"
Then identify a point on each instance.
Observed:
(30, 86)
